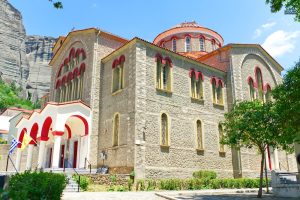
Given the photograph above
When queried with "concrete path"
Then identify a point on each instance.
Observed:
(111, 196)
(226, 194)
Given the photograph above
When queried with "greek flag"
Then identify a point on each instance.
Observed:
(14, 144)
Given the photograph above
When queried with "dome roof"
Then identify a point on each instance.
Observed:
(188, 28)
(187, 24)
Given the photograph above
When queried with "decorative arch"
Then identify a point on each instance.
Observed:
(265, 63)
(68, 130)
(24, 130)
(33, 133)
(45, 129)
(85, 122)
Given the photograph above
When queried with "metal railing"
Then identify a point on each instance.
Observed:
(78, 189)
(90, 165)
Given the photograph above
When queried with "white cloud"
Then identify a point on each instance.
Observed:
(262, 28)
(281, 42)
(268, 25)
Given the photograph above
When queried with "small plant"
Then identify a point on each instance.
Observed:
(111, 188)
(84, 181)
(113, 178)
(121, 188)
(205, 174)
(129, 184)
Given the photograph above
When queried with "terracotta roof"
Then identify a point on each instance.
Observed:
(194, 54)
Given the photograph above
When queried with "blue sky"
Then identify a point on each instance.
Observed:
(246, 21)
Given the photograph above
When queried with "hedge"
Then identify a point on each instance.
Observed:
(36, 186)
(205, 174)
(196, 184)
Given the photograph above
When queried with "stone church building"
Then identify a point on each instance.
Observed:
(152, 107)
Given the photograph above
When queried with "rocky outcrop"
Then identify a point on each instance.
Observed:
(39, 54)
(13, 63)
(23, 59)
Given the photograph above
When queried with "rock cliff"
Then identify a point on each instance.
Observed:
(23, 59)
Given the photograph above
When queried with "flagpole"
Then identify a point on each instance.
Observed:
(7, 162)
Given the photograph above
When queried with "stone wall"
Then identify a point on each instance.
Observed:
(121, 102)
(181, 158)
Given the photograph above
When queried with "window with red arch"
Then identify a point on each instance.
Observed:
(163, 73)
(118, 74)
(217, 90)
(196, 84)
(258, 89)
(70, 76)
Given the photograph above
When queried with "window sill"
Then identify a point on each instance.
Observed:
(163, 91)
(165, 146)
(196, 100)
(117, 92)
(222, 153)
(200, 151)
(219, 106)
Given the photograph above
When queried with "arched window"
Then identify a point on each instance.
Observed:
(196, 85)
(199, 135)
(174, 45)
(213, 45)
(217, 90)
(221, 135)
(116, 128)
(187, 44)
(202, 44)
(251, 89)
(118, 74)
(71, 81)
(259, 84)
(164, 130)
(268, 94)
(163, 73)
(220, 95)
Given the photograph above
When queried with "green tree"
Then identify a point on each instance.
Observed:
(276, 5)
(254, 125)
(57, 4)
(9, 98)
(287, 96)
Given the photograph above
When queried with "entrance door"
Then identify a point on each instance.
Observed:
(62, 156)
(75, 154)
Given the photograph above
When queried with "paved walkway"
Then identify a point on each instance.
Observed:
(111, 196)
(226, 194)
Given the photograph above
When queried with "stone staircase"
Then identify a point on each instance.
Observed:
(72, 185)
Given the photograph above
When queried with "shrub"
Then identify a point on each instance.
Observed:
(36, 186)
(84, 181)
(140, 186)
(113, 178)
(121, 188)
(205, 174)
(111, 188)
(129, 184)
(150, 184)
(171, 184)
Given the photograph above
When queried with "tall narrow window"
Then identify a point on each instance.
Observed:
(118, 74)
(164, 130)
(116, 128)
(259, 84)
(217, 91)
(163, 73)
(220, 95)
(187, 44)
(268, 94)
(196, 84)
(251, 89)
(174, 45)
(213, 45)
(199, 135)
(221, 135)
(202, 44)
